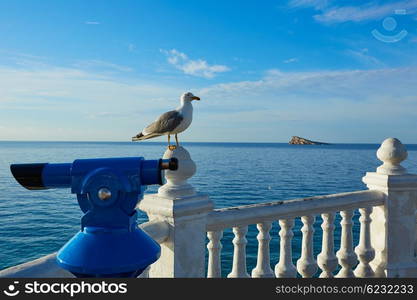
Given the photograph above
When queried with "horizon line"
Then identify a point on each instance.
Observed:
(195, 142)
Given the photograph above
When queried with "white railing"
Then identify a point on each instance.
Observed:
(181, 219)
(277, 210)
(386, 209)
(285, 212)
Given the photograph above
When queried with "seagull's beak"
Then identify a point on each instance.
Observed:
(195, 98)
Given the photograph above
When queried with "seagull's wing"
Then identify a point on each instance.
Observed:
(167, 122)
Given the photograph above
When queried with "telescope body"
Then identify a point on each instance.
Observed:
(109, 244)
(40, 176)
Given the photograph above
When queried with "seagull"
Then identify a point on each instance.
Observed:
(171, 122)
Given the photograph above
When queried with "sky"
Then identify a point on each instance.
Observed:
(334, 71)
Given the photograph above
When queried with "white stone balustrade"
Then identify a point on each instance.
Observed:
(214, 247)
(285, 267)
(327, 261)
(393, 226)
(180, 219)
(364, 250)
(263, 265)
(347, 257)
(307, 265)
(185, 210)
(239, 253)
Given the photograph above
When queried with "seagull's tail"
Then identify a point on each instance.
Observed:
(138, 137)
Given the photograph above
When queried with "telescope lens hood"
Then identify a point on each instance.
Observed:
(169, 164)
(173, 164)
(29, 175)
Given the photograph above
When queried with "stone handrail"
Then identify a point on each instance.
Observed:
(264, 214)
(43, 267)
(270, 211)
(386, 209)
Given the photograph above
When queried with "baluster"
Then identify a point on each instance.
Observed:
(307, 265)
(364, 250)
(239, 253)
(263, 267)
(327, 261)
(346, 255)
(285, 267)
(214, 248)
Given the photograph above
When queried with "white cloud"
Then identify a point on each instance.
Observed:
(339, 82)
(327, 103)
(55, 103)
(100, 64)
(364, 12)
(65, 86)
(364, 57)
(198, 67)
(302, 91)
(92, 23)
(317, 4)
(330, 13)
(290, 60)
(85, 104)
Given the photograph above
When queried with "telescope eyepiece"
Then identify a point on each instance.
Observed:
(29, 175)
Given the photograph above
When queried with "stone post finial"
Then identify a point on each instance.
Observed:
(394, 252)
(185, 211)
(392, 152)
(177, 180)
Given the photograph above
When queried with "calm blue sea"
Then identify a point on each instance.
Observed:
(36, 223)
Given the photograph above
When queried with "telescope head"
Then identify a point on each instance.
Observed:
(41, 176)
(110, 244)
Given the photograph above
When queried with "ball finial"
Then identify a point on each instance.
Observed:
(177, 184)
(392, 152)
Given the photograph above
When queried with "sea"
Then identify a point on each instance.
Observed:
(37, 223)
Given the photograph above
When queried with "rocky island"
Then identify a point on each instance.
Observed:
(296, 140)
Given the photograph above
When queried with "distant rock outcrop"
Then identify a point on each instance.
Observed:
(296, 140)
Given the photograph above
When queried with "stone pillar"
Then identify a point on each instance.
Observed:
(393, 226)
(177, 202)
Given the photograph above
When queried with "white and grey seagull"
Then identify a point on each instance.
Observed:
(171, 122)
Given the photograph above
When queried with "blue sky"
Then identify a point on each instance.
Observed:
(338, 71)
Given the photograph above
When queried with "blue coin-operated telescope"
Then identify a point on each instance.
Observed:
(109, 244)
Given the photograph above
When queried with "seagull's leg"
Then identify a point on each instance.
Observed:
(170, 147)
(176, 140)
